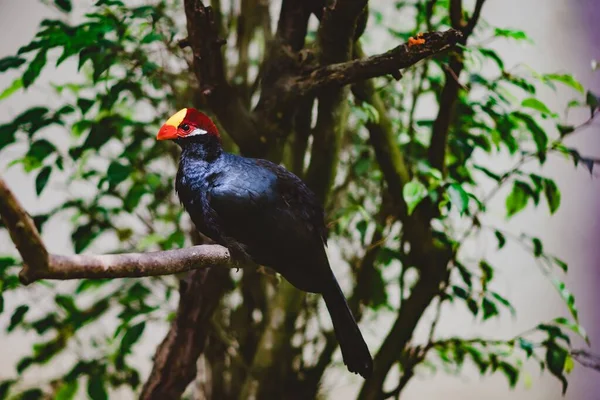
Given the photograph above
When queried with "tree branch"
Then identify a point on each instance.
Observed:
(127, 265)
(209, 68)
(449, 95)
(22, 230)
(38, 264)
(403, 56)
(335, 39)
(176, 357)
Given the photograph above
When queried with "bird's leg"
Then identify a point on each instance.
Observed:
(238, 253)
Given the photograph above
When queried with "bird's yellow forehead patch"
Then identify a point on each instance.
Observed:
(176, 118)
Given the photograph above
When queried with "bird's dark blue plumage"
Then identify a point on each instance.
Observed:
(263, 212)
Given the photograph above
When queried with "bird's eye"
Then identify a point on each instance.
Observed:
(185, 127)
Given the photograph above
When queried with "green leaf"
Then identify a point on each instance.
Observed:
(96, 389)
(489, 309)
(566, 79)
(501, 239)
(487, 271)
(575, 327)
(42, 179)
(539, 135)
(592, 101)
(34, 68)
(512, 34)
(458, 197)
(564, 129)
(84, 104)
(460, 292)
(556, 358)
(413, 192)
(504, 302)
(32, 394)
(5, 388)
(510, 371)
(7, 134)
(536, 104)
(526, 345)
(552, 194)
(516, 200)
(465, 274)
(491, 54)
(489, 173)
(67, 391)
(14, 86)
(561, 264)
(151, 37)
(131, 336)
(10, 62)
(83, 236)
(554, 332)
(17, 317)
(537, 247)
(567, 297)
(40, 149)
(64, 5)
(117, 173)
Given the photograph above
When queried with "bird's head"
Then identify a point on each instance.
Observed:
(188, 125)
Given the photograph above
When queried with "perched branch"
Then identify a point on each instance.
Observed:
(38, 264)
(22, 230)
(390, 62)
(128, 265)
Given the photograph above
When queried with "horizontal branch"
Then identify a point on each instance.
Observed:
(127, 265)
(38, 264)
(390, 62)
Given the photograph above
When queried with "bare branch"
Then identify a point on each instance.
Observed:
(587, 359)
(468, 29)
(38, 264)
(127, 265)
(398, 58)
(455, 12)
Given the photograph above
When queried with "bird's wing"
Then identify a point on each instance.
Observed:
(260, 194)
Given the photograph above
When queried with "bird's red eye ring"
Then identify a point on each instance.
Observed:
(185, 127)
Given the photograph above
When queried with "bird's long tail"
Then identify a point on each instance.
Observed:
(354, 349)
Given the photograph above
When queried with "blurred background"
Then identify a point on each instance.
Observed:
(563, 40)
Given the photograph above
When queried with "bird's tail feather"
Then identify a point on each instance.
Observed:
(354, 349)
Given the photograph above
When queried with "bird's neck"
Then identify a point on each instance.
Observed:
(207, 151)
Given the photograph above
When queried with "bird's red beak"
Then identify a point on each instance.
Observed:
(167, 132)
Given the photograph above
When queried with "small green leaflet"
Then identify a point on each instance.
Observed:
(458, 197)
(413, 192)
(516, 200)
(42, 179)
(532, 102)
(9, 91)
(552, 194)
(566, 79)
